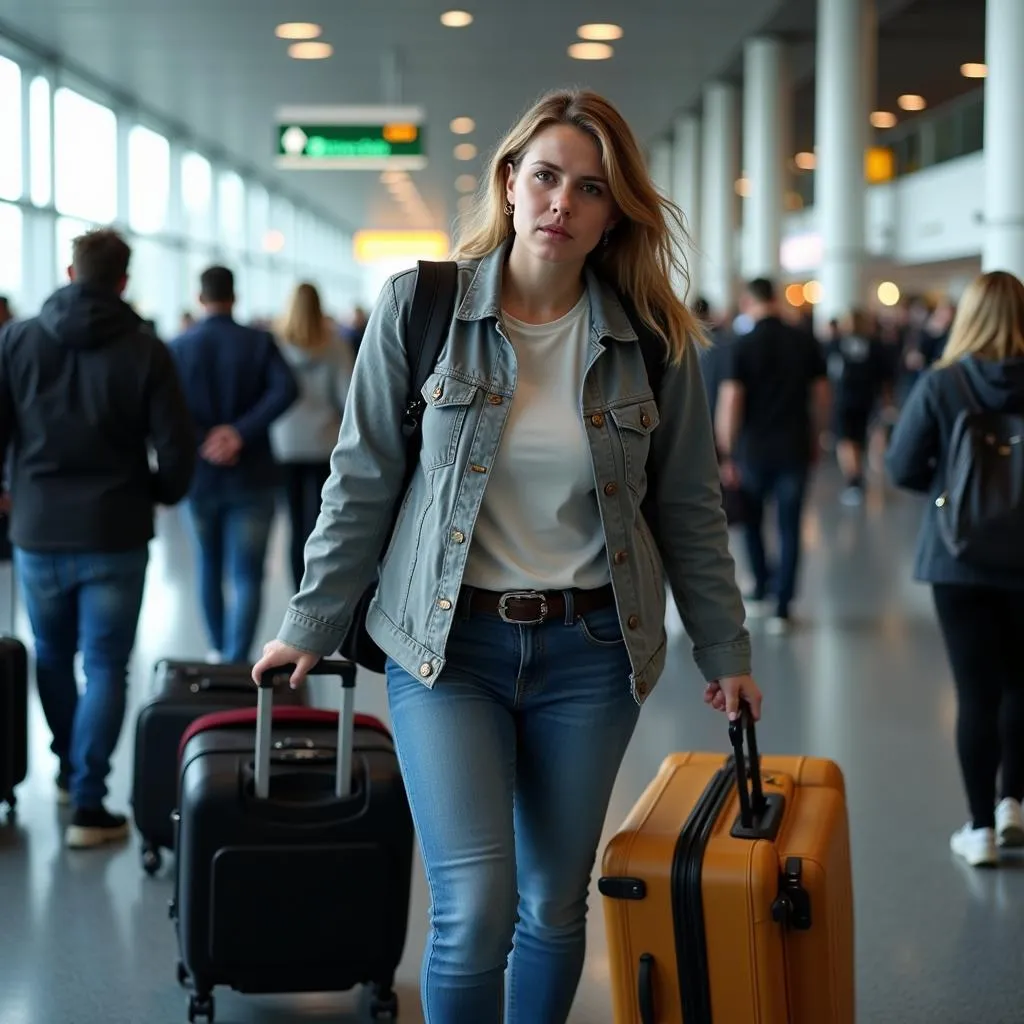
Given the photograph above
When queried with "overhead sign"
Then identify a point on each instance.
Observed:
(364, 138)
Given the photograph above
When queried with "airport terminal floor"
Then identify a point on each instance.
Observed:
(85, 937)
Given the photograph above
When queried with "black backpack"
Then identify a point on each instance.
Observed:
(981, 511)
(433, 306)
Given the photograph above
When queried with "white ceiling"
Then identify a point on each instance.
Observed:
(216, 68)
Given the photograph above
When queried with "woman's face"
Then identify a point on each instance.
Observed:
(562, 201)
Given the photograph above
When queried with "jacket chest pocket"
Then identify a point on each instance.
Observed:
(448, 400)
(634, 425)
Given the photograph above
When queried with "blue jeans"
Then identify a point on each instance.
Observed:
(787, 484)
(509, 763)
(91, 603)
(231, 532)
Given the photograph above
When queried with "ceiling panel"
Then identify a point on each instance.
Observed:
(216, 67)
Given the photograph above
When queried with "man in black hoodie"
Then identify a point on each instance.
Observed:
(85, 394)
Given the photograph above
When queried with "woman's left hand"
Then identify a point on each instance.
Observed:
(725, 694)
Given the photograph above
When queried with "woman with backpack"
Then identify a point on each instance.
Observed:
(521, 599)
(960, 439)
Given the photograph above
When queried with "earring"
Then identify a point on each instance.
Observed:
(509, 209)
(607, 235)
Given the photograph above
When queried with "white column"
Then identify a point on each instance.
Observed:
(686, 190)
(840, 135)
(763, 137)
(659, 165)
(718, 197)
(1004, 137)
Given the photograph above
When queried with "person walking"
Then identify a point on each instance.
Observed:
(521, 600)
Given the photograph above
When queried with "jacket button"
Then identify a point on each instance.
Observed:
(478, 469)
(426, 669)
(437, 393)
(597, 420)
(495, 399)
(611, 489)
(645, 420)
(621, 557)
(458, 536)
(633, 622)
(444, 604)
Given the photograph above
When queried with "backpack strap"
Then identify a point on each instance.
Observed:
(433, 304)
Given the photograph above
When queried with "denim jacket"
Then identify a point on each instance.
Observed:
(467, 402)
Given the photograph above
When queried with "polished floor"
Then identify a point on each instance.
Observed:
(85, 938)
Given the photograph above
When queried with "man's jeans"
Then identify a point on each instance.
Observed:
(231, 531)
(787, 484)
(509, 763)
(88, 602)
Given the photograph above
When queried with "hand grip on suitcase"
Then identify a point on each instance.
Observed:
(346, 672)
(760, 815)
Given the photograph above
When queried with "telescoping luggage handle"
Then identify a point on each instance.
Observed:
(346, 672)
(760, 815)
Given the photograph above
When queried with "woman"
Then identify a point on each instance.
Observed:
(979, 607)
(533, 608)
(304, 437)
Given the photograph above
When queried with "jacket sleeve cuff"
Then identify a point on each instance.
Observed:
(311, 635)
(731, 659)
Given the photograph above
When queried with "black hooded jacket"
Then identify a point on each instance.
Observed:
(917, 456)
(86, 396)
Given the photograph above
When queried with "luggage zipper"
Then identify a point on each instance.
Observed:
(687, 902)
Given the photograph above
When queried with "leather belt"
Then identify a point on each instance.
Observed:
(532, 607)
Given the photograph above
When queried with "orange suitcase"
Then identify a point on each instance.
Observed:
(728, 896)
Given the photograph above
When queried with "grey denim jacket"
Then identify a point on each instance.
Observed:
(467, 402)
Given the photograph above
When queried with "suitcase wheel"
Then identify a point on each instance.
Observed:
(200, 1007)
(152, 859)
(384, 1003)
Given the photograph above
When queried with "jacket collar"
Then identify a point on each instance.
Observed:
(483, 298)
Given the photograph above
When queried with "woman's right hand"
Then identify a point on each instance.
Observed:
(276, 654)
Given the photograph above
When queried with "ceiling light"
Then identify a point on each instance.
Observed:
(911, 101)
(310, 51)
(742, 187)
(813, 292)
(462, 125)
(590, 51)
(883, 119)
(465, 183)
(795, 294)
(273, 241)
(599, 32)
(805, 161)
(465, 151)
(298, 30)
(888, 293)
(456, 19)
(974, 70)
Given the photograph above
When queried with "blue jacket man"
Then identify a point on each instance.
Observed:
(236, 384)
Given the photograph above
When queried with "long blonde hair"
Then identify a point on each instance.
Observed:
(647, 245)
(989, 320)
(305, 325)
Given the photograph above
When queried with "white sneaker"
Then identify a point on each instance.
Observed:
(757, 608)
(778, 625)
(977, 846)
(213, 657)
(1009, 823)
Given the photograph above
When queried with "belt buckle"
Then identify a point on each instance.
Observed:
(523, 595)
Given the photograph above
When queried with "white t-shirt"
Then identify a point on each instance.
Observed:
(539, 527)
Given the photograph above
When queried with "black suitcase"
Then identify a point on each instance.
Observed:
(186, 690)
(292, 825)
(13, 718)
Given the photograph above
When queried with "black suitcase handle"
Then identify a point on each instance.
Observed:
(760, 815)
(645, 989)
(346, 672)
